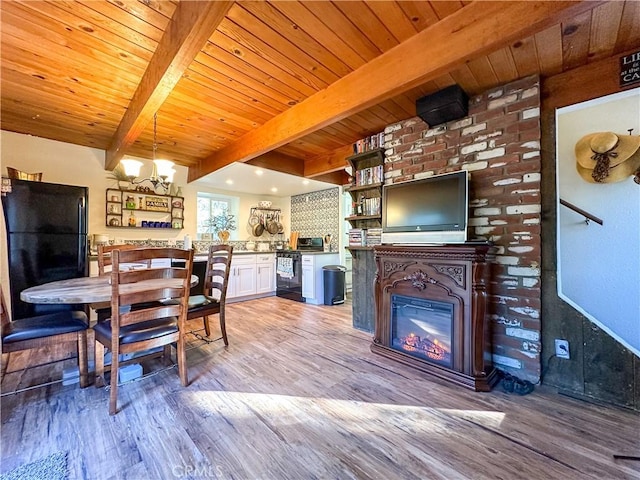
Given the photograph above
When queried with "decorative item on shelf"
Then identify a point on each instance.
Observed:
(132, 219)
(20, 175)
(179, 192)
(130, 203)
(162, 173)
(120, 176)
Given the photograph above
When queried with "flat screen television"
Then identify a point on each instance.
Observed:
(428, 210)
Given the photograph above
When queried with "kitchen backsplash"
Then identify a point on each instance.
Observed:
(317, 214)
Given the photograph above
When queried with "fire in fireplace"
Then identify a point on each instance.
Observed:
(422, 328)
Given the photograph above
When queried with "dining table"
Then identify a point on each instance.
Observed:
(91, 290)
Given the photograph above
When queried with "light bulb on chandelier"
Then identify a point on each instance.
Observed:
(162, 172)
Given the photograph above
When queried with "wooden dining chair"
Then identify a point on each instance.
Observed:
(47, 331)
(129, 330)
(105, 258)
(103, 310)
(214, 288)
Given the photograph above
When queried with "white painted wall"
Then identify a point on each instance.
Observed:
(599, 266)
(76, 165)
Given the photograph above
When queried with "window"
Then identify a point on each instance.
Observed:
(214, 204)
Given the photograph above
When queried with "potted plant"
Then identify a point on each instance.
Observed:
(119, 176)
(222, 223)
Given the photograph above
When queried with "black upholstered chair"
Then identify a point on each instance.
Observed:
(46, 331)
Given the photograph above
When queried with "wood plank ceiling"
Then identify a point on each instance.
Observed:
(286, 84)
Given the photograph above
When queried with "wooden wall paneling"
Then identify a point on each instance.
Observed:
(608, 367)
(185, 98)
(605, 20)
(369, 24)
(342, 26)
(229, 87)
(234, 99)
(24, 88)
(59, 132)
(364, 269)
(272, 53)
(264, 87)
(134, 31)
(464, 77)
(31, 41)
(549, 48)
(401, 106)
(629, 33)
(444, 9)
(298, 13)
(503, 65)
(483, 73)
(253, 25)
(590, 81)
(444, 81)
(306, 41)
(140, 15)
(20, 57)
(421, 13)
(257, 73)
(575, 40)
(394, 18)
(525, 56)
(58, 22)
(249, 60)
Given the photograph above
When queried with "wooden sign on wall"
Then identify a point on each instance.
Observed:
(630, 69)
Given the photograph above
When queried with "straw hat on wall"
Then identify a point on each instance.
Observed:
(606, 157)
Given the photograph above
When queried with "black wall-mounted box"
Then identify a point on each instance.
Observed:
(451, 103)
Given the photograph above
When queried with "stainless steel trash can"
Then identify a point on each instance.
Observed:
(334, 280)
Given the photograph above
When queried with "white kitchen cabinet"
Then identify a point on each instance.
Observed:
(308, 282)
(265, 273)
(312, 275)
(242, 277)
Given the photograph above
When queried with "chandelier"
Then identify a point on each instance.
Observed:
(162, 173)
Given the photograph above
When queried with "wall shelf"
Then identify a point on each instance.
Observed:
(155, 211)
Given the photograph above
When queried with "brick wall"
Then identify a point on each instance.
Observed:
(499, 144)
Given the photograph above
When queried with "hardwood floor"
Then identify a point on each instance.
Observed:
(298, 395)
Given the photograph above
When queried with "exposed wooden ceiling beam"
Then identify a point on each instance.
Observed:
(474, 30)
(330, 162)
(577, 85)
(280, 163)
(192, 24)
(339, 177)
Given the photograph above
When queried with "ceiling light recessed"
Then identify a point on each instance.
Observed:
(229, 182)
(274, 189)
(259, 172)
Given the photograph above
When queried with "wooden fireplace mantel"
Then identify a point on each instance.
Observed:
(453, 274)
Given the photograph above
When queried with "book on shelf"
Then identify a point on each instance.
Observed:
(357, 237)
(369, 143)
(373, 237)
(369, 175)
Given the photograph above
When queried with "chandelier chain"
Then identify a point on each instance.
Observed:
(155, 126)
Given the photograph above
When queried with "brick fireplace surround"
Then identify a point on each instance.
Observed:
(499, 144)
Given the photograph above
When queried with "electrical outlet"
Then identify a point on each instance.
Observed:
(562, 348)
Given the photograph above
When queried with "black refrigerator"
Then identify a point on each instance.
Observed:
(46, 227)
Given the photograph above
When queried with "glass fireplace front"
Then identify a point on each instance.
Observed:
(422, 328)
